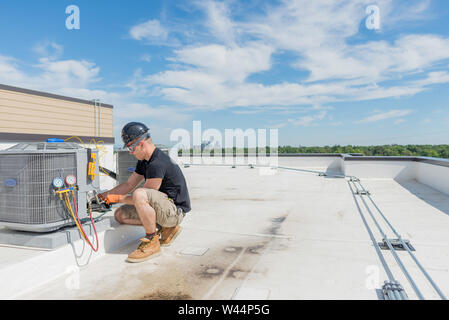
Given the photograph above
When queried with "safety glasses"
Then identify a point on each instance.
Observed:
(132, 146)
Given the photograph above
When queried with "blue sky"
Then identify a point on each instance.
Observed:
(311, 69)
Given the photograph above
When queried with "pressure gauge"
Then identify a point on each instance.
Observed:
(70, 180)
(58, 183)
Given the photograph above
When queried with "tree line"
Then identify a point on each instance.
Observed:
(435, 151)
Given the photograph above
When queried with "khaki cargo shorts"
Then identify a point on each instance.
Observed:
(167, 215)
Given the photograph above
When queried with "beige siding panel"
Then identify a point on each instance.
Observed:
(51, 112)
(85, 111)
(45, 125)
(55, 130)
(34, 99)
(27, 113)
(39, 131)
(8, 113)
(45, 117)
(17, 121)
(108, 112)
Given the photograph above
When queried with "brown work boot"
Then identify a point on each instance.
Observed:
(147, 249)
(168, 235)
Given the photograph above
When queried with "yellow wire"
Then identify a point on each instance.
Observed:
(101, 151)
(69, 207)
(76, 138)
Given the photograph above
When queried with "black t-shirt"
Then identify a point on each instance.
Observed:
(173, 182)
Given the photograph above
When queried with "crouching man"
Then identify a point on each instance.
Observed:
(163, 200)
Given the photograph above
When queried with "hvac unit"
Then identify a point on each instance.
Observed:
(126, 163)
(28, 201)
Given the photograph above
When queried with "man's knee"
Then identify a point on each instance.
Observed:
(118, 215)
(140, 195)
(144, 196)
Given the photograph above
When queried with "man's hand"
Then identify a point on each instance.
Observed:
(111, 198)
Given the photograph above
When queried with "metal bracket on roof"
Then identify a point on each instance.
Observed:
(396, 244)
(393, 291)
(322, 174)
(363, 192)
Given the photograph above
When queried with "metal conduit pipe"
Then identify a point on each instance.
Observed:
(301, 170)
(394, 294)
(393, 289)
(391, 295)
(393, 251)
(95, 118)
(399, 294)
(99, 117)
(434, 285)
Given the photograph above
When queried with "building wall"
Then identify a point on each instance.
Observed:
(26, 112)
(29, 116)
(436, 177)
(399, 170)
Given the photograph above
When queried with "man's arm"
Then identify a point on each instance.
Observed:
(123, 189)
(153, 183)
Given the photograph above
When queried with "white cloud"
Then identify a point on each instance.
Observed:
(216, 75)
(308, 120)
(67, 77)
(218, 20)
(412, 10)
(9, 70)
(399, 121)
(76, 73)
(396, 113)
(169, 114)
(48, 49)
(277, 126)
(149, 30)
(145, 57)
(50, 75)
(336, 124)
(433, 78)
(73, 78)
(223, 63)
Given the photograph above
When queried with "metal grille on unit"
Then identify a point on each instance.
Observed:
(27, 201)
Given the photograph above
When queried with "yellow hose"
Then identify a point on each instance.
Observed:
(69, 207)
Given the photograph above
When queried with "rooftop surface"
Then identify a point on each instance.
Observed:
(293, 234)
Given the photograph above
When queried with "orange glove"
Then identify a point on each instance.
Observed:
(112, 198)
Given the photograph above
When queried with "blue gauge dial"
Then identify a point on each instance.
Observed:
(58, 183)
